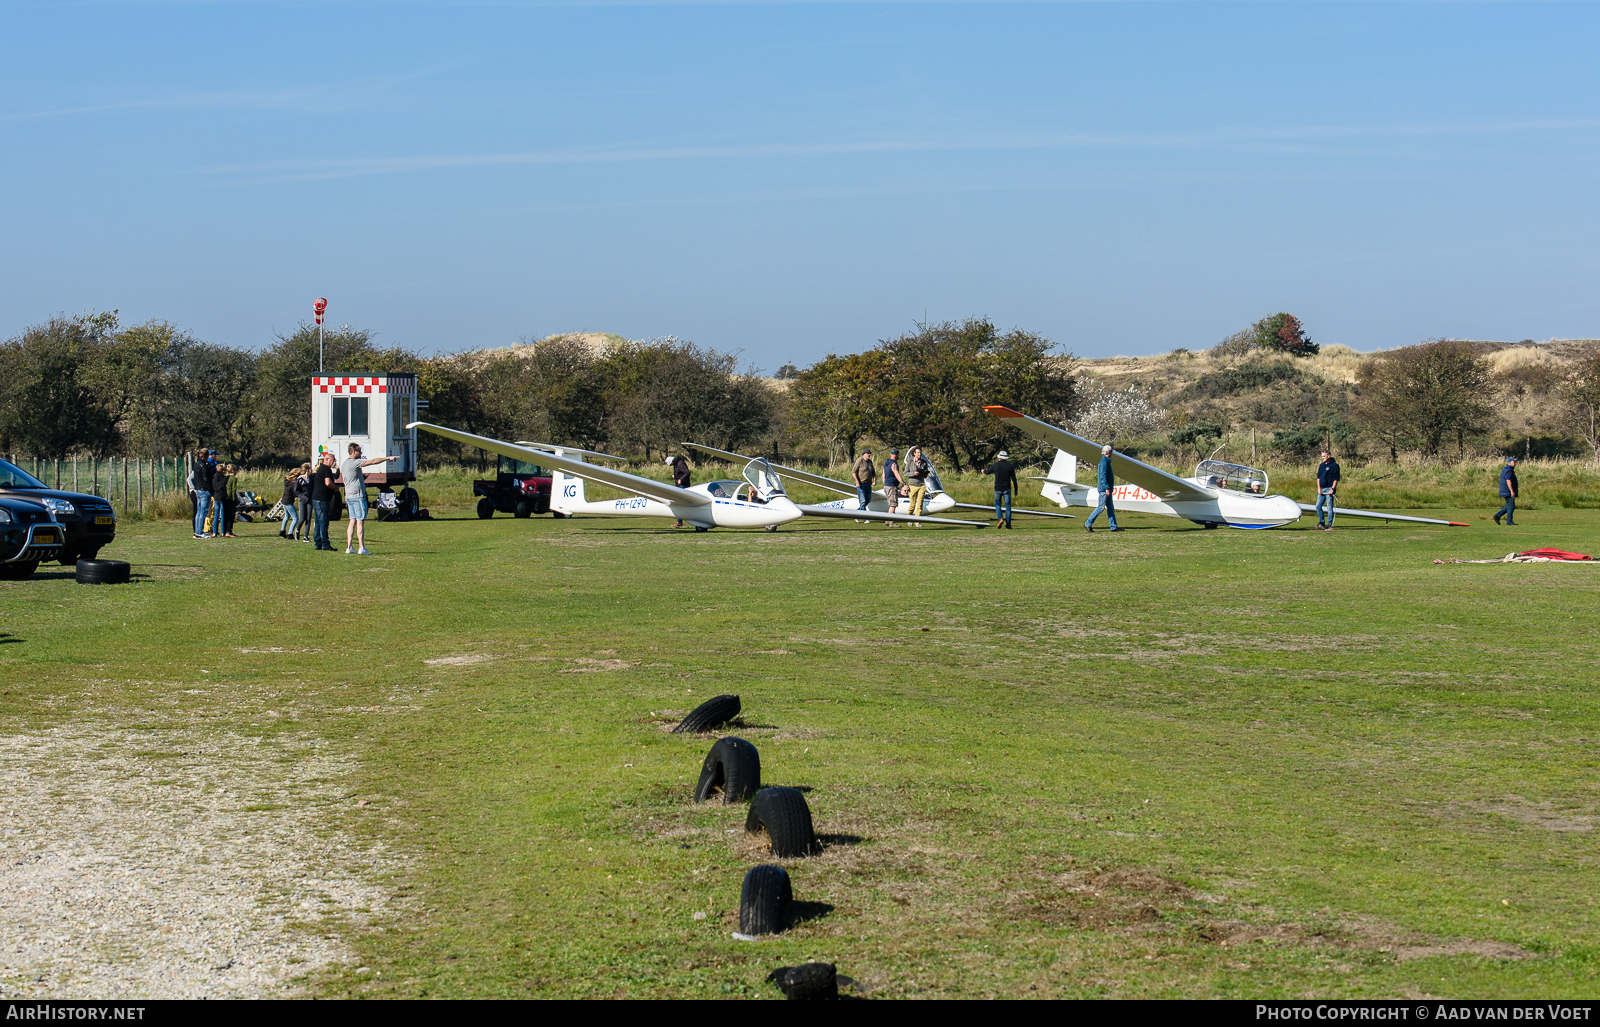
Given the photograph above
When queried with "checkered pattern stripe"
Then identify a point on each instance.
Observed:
(403, 385)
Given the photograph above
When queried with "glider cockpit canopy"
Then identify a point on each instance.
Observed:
(762, 478)
(1219, 474)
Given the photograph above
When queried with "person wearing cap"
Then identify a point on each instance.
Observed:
(864, 474)
(1105, 481)
(918, 469)
(1005, 483)
(1508, 492)
(892, 482)
(680, 476)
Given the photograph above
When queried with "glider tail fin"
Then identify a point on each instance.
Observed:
(566, 490)
(1065, 468)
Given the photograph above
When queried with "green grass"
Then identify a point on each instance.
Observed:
(1178, 762)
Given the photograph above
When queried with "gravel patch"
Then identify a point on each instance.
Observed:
(177, 862)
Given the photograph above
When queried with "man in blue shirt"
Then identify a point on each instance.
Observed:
(1104, 480)
(1327, 487)
(1508, 492)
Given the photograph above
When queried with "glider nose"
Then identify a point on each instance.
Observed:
(782, 510)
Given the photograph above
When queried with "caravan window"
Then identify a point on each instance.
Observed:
(350, 415)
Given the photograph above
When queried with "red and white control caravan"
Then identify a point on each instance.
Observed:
(1219, 493)
(372, 411)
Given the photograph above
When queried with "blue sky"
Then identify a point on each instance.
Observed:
(787, 180)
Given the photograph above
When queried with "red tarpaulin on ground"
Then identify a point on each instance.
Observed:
(1554, 554)
(1531, 556)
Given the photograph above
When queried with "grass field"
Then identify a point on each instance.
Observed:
(1175, 763)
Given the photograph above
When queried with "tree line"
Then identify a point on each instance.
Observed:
(90, 386)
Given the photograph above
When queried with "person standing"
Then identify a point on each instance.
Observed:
(680, 477)
(230, 499)
(1105, 481)
(1005, 483)
(355, 497)
(1327, 489)
(1508, 492)
(302, 502)
(290, 515)
(917, 470)
(322, 493)
(892, 482)
(200, 489)
(219, 489)
(864, 474)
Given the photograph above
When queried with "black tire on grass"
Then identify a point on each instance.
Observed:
(709, 714)
(733, 767)
(18, 571)
(787, 819)
(807, 981)
(102, 572)
(764, 900)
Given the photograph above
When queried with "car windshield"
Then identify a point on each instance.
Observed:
(760, 474)
(1235, 477)
(520, 468)
(14, 477)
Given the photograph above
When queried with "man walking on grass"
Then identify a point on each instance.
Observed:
(1327, 488)
(1005, 483)
(1104, 482)
(917, 471)
(865, 474)
(355, 497)
(1508, 492)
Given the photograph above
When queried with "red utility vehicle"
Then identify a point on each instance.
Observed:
(518, 488)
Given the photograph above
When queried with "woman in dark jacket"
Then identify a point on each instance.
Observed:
(224, 489)
(302, 502)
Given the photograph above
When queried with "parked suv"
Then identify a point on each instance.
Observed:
(27, 535)
(87, 520)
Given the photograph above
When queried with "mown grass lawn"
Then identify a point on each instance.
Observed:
(1170, 762)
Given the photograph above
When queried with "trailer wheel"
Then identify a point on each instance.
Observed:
(764, 900)
(733, 766)
(485, 508)
(521, 509)
(787, 819)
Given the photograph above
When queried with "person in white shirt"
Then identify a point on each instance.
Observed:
(355, 497)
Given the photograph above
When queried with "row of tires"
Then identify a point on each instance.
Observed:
(732, 770)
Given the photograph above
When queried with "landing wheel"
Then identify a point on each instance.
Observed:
(485, 508)
(698, 528)
(558, 515)
(772, 527)
(1211, 525)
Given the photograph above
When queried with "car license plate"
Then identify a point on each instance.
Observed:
(105, 520)
(46, 537)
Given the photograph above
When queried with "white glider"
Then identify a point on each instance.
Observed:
(877, 509)
(711, 505)
(1219, 493)
(548, 448)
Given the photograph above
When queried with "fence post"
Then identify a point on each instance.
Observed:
(138, 477)
(124, 485)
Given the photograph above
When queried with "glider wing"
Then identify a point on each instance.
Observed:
(899, 518)
(593, 472)
(1347, 512)
(843, 488)
(1016, 510)
(547, 447)
(1167, 487)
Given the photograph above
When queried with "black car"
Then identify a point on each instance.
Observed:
(27, 535)
(87, 520)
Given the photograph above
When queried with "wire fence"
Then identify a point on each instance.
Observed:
(131, 481)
